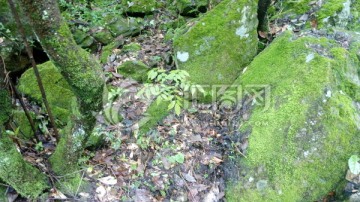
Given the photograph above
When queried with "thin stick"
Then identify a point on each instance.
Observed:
(36, 71)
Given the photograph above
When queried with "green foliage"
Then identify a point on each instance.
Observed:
(80, 10)
(178, 158)
(170, 87)
(39, 146)
(109, 136)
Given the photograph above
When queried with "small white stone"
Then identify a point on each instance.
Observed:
(310, 57)
(328, 94)
(242, 32)
(182, 56)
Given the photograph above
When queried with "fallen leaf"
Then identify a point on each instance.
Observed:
(143, 195)
(109, 180)
(216, 160)
(189, 177)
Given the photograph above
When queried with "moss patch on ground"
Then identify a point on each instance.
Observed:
(134, 69)
(139, 6)
(220, 44)
(299, 144)
(57, 90)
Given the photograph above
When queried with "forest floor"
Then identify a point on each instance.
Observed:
(186, 157)
(181, 159)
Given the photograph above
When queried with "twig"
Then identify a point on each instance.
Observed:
(238, 150)
(78, 188)
(36, 71)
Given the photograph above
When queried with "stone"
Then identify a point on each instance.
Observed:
(190, 7)
(139, 6)
(103, 36)
(134, 69)
(21, 121)
(57, 90)
(220, 44)
(118, 25)
(304, 118)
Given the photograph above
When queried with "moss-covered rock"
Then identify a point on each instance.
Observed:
(132, 47)
(134, 69)
(24, 178)
(103, 36)
(139, 6)
(354, 18)
(3, 191)
(219, 45)
(107, 50)
(301, 137)
(5, 106)
(57, 90)
(118, 25)
(21, 121)
(327, 14)
(190, 7)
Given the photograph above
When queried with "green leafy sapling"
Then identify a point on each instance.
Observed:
(170, 86)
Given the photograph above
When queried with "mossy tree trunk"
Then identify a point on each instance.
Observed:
(80, 70)
(14, 170)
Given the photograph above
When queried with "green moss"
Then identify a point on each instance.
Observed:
(5, 106)
(139, 6)
(300, 143)
(220, 44)
(107, 50)
(355, 20)
(80, 70)
(24, 178)
(118, 25)
(103, 36)
(57, 90)
(21, 121)
(3, 192)
(191, 7)
(329, 9)
(298, 7)
(64, 161)
(132, 47)
(134, 69)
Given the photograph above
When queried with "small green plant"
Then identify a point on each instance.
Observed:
(109, 136)
(178, 158)
(171, 87)
(39, 146)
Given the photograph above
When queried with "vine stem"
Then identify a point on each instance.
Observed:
(36, 71)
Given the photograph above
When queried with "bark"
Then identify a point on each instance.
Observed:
(80, 70)
(262, 11)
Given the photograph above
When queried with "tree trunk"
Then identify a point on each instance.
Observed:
(80, 70)
(263, 6)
